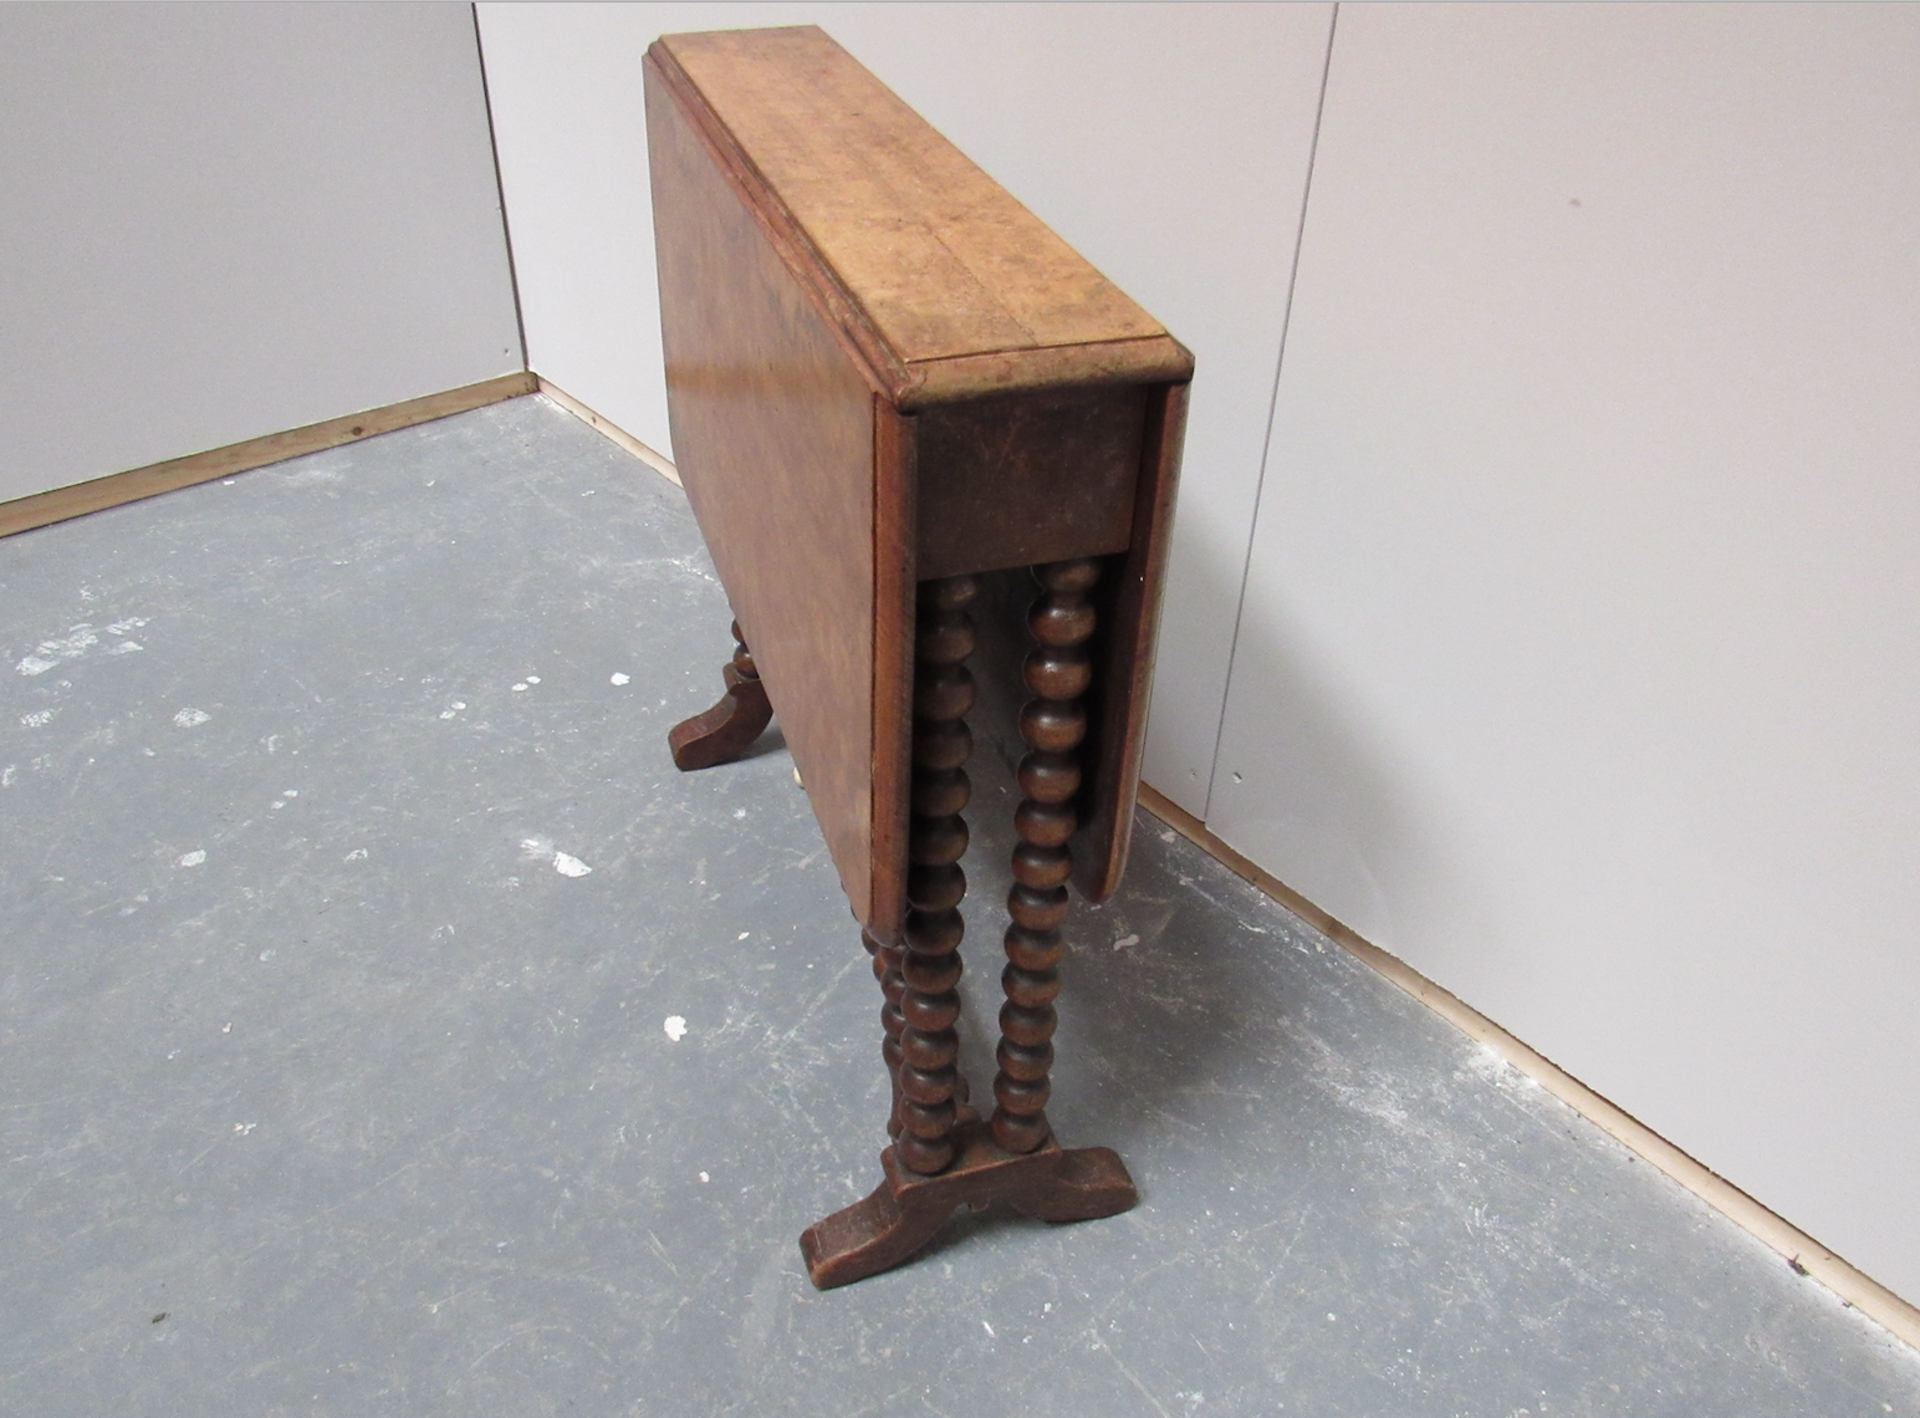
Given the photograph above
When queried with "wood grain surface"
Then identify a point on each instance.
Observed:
(1019, 479)
(773, 429)
(895, 515)
(893, 388)
(1117, 707)
(885, 370)
(949, 286)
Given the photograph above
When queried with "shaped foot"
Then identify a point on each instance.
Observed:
(906, 1211)
(727, 730)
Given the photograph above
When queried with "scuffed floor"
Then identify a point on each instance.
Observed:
(386, 1028)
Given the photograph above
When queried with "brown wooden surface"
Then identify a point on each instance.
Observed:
(795, 200)
(895, 455)
(1057, 672)
(1020, 479)
(1117, 708)
(773, 431)
(948, 286)
(726, 731)
(928, 1080)
(907, 1210)
(891, 386)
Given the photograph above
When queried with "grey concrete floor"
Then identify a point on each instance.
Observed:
(389, 1029)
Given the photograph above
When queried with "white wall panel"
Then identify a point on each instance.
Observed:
(222, 221)
(1580, 661)
(1168, 142)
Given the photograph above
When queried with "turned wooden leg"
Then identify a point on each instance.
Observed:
(728, 729)
(1057, 672)
(944, 1156)
(929, 1045)
(887, 963)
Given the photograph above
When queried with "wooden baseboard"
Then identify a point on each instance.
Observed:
(1801, 1251)
(657, 461)
(44, 508)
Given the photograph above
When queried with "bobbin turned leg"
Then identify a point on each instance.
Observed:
(1057, 672)
(944, 1156)
(728, 729)
(928, 1076)
(887, 962)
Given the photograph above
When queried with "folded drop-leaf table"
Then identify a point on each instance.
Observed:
(891, 388)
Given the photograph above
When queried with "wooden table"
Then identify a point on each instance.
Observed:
(889, 383)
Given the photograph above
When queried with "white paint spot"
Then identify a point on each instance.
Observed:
(533, 679)
(38, 720)
(6, 775)
(192, 859)
(541, 849)
(454, 708)
(1167, 836)
(988, 1328)
(1126, 942)
(78, 641)
(266, 955)
(704, 1178)
(1332, 1316)
(272, 741)
(676, 1027)
(289, 792)
(227, 1028)
(739, 812)
(743, 935)
(126, 647)
(358, 854)
(244, 1128)
(519, 689)
(618, 678)
(191, 718)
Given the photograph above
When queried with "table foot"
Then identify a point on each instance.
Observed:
(906, 1210)
(726, 731)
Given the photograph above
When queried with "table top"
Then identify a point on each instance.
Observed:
(959, 290)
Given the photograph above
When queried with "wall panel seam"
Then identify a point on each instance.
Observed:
(1273, 403)
(500, 191)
